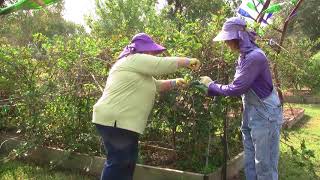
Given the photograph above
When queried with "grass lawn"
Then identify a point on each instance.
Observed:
(15, 170)
(309, 130)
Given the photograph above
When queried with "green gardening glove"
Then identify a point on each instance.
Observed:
(198, 85)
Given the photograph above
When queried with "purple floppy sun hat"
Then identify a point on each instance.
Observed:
(141, 43)
(230, 29)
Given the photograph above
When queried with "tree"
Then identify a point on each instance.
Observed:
(18, 28)
(125, 17)
(307, 19)
(195, 9)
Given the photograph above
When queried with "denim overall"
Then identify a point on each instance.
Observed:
(261, 123)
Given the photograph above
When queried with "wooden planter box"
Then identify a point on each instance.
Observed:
(93, 164)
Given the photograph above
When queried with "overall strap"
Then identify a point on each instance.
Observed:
(254, 99)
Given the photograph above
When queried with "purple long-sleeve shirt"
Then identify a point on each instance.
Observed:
(252, 71)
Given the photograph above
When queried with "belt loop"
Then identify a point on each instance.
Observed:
(115, 124)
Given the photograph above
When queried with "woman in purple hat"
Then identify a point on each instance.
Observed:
(262, 115)
(120, 115)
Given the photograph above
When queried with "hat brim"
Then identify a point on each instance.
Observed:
(151, 47)
(226, 35)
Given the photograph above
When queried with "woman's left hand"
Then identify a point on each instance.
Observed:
(194, 64)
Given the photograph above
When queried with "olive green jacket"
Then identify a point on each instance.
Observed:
(130, 91)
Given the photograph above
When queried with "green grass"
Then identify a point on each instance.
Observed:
(16, 170)
(307, 129)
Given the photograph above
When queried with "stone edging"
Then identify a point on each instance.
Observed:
(93, 164)
(235, 165)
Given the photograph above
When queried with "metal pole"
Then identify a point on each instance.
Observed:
(208, 149)
(225, 148)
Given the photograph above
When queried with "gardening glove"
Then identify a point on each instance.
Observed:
(179, 83)
(205, 80)
(194, 64)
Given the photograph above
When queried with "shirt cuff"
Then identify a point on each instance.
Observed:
(213, 89)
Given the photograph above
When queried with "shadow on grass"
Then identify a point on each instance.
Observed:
(293, 168)
(300, 124)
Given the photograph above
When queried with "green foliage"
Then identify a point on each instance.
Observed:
(307, 15)
(53, 89)
(299, 147)
(312, 78)
(195, 9)
(123, 16)
(51, 76)
(296, 67)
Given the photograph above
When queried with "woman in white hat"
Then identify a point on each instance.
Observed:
(262, 115)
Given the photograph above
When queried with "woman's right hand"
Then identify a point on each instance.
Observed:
(181, 83)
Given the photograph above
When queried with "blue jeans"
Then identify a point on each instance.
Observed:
(261, 125)
(121, 150)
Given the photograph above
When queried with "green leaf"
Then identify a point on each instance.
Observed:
(26, 4)
(251, 6)
(261, 31)
(5, 109)
(188, 77)
(294, 2)
(274, 8)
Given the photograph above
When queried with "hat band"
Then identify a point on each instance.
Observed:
(234, 28)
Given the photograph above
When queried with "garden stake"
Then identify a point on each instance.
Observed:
(225, 128)
(225, 146)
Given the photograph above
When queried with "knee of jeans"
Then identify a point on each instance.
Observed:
(265, 177)
(122, 163)
(263, 167)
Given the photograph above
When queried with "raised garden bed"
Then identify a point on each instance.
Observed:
(292, 116)
(161, 159)
(93, 164)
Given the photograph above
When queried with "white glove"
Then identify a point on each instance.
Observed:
(205, 80)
